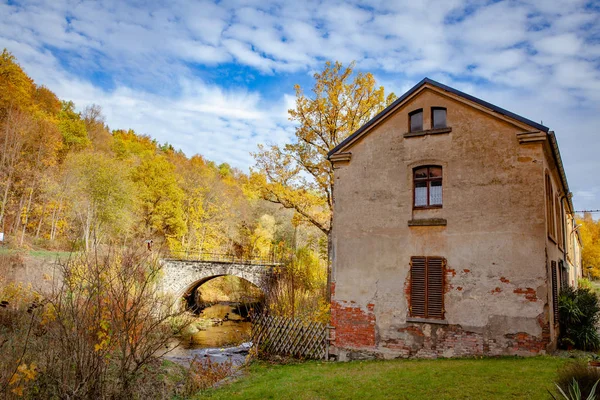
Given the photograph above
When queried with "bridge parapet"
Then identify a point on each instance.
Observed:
(223, 258)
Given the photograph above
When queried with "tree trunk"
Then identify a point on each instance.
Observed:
(17, 221)
(39, 228)
(26, 215)
(5, 200)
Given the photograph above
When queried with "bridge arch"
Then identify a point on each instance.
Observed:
(181, 278)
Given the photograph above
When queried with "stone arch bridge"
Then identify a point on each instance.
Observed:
(182, 277)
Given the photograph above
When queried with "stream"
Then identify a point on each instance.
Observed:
(219, 332)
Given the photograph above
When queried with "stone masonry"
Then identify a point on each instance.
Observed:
(181, 277)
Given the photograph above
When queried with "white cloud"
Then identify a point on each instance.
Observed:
(537, 58)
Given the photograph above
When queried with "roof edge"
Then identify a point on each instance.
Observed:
(376, 118)
(561, 169)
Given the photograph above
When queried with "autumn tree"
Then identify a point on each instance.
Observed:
(298, 175)
(72, 127)
(590, 238)
(101, 193)
(160, 198)
(96, 128)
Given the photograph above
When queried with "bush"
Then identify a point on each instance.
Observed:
(585, 283)
(578, 371)
(99, 334)
(579, 311)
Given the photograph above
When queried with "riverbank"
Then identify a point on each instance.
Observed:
(488, 378)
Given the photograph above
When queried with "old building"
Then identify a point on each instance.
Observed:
(452, 231)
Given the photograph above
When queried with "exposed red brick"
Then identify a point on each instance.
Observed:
(415, 330)
(522, 341)
(459, 288)
(412, 342)
(497, 290)
(530, 293)
(450, 271)
(354, 327)
(504, 280)
(466, 271)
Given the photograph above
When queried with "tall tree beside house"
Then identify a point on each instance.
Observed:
(298, 175)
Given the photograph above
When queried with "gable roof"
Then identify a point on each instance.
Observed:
(493, 108)
(431, 82)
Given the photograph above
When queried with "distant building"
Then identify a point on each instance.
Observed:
(452, 232)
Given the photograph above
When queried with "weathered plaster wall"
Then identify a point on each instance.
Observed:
(496, 297)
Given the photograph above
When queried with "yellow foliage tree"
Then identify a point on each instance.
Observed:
(298, 175)
(590, 238)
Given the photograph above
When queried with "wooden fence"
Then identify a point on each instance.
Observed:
(290, 337)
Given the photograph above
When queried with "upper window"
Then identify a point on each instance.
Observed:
(416, 120)
(438, 117)
(427, 287)
(427, 187)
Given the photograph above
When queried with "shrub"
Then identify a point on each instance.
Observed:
(579, 373)
(99, 334)
(579, 311)
(204, 373)
(584, 283)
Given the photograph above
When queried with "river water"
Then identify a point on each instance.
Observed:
(220, 332)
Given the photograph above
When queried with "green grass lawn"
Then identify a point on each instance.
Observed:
(489, 378)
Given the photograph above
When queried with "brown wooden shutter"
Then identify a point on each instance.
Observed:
(435, 287)
(427, 287)
(554, 291)
(418, 286)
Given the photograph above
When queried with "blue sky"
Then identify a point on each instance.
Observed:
(216, 78)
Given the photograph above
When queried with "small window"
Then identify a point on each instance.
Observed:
(416, 120)
(438, 117)
(427, 187)
(427, 287)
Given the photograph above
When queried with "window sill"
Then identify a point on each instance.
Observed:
(438, 131)
(427, 321)
(428, 222)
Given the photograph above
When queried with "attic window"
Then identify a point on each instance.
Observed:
(438, 117)
(416, 120)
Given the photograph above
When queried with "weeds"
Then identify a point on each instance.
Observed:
(578, 372)
(204, 373)
(98, 334)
